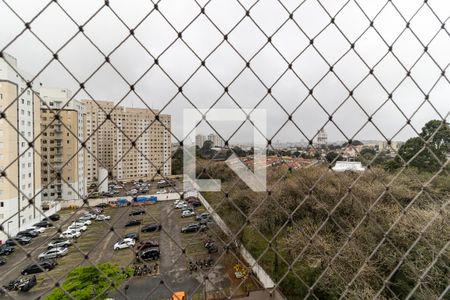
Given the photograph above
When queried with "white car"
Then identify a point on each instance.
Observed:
(70, 234)
(103, 217)
(124, 243)
(89, 216)
(83, 221)
(161, 192)
(187, 213)
(53, 253)
(38, 229)
(181, 204)
(77, 227)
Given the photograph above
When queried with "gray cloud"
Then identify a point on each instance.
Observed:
(177, 63)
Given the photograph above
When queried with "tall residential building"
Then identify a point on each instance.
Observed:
(61, 146)
(322, 138)
(216, 139)
(110, 141)
(20, 163)
(200, 140)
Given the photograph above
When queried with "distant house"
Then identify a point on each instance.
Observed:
(342, 166)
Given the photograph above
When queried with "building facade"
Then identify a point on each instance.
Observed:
(200, 140)
(322, 138)
(19, 131)
(61, 148)
(216, 139)
(130, 143)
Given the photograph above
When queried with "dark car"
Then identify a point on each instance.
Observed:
(136, 212)
(2, 261)
(190, 228)
(27, 284)
(132, 235)
(150, 253)
(133, 223)
(43, 224)
(21, 240)
(6, 249)
(194, 201)
(42, 266)
(54, 217)
(147, 244)
(151, 228)
(31, 233)
(202, 216)
(102, 205)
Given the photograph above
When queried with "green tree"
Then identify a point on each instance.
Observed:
(332, 156)
(425, 151)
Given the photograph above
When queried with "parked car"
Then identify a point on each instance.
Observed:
(38, 229)
(147, 244)
(150, 253)
(54, 217)
(88, 217)
(151, 228)
(43, 224)
(133, 223)
(132, 235)
(77, 227)
(164, 183)
(101, 205)
(202, 216)
(190, 228)
(24, 284)
(194, 202)
(162, 192)
(70, 234)
(181, 204)
(42, 266)
(21, 240)
(2, 261)
(53, 253)
(6, 249)
(124, 243)
(136, 212)
(30, 233)
(59, 243)
(96, 210)
(102, 218)
(132, 192)
(187, 213)
(83, 221)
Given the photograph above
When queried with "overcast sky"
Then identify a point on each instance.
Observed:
(289, 44)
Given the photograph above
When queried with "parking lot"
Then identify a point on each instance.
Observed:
(173, 268)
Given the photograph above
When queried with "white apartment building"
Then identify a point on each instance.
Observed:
(21, 107)
(109, 146)
(216, 139)
(200, 140)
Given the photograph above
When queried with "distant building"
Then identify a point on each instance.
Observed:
(395, 146)
(200, 140)
(110, 142)
(322, 138)
(342, 166)
(216, 139)
(61, 144)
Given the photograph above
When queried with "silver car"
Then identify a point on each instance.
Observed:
(53, 253)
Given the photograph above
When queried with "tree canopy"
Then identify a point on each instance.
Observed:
(427, 151)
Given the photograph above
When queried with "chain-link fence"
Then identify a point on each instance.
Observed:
(93, 199)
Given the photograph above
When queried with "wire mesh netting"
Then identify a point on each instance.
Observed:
(93, 199)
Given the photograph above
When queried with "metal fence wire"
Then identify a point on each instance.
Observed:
(316, 233)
